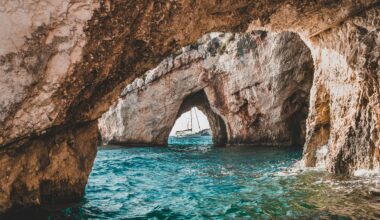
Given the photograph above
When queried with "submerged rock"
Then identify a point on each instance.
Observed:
(374, 191)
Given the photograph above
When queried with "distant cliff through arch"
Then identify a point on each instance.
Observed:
(253, 87)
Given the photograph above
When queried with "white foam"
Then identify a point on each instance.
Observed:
(367, 173)
(321, 155)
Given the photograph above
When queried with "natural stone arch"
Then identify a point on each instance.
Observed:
(217, 125)
(256, 83)
(98, 71)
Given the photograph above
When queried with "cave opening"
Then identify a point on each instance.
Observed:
(196, 122)
(58, 82)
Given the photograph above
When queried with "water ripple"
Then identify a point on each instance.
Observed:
(203, 182)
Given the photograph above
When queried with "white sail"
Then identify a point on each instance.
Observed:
(190, 131)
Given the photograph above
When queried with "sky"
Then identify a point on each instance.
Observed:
(184, 119)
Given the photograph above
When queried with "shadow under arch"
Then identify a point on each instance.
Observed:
(217, 125)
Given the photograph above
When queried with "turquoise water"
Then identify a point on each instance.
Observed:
(200, 181)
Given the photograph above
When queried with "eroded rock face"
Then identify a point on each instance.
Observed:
(32, 70)
(257, 83)
(104, 45)
(345, 95)
(48, 169)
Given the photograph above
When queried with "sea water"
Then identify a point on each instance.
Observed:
(192, 179)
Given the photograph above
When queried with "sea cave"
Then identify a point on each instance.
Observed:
(91, 91)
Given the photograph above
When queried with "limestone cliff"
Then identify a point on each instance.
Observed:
(254, 87)
(345, 97)
(64, 62)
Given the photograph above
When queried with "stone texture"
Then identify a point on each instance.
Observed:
(255, 86)
(345, 96)
(111, 42)
(32, 70)
(49, 169)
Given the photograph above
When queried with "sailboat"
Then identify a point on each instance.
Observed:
(189, 132)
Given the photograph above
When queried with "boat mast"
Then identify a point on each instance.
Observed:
(191, 119)
(188, 124)
(199, 126)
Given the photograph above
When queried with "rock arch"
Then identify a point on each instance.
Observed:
(255, 85)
